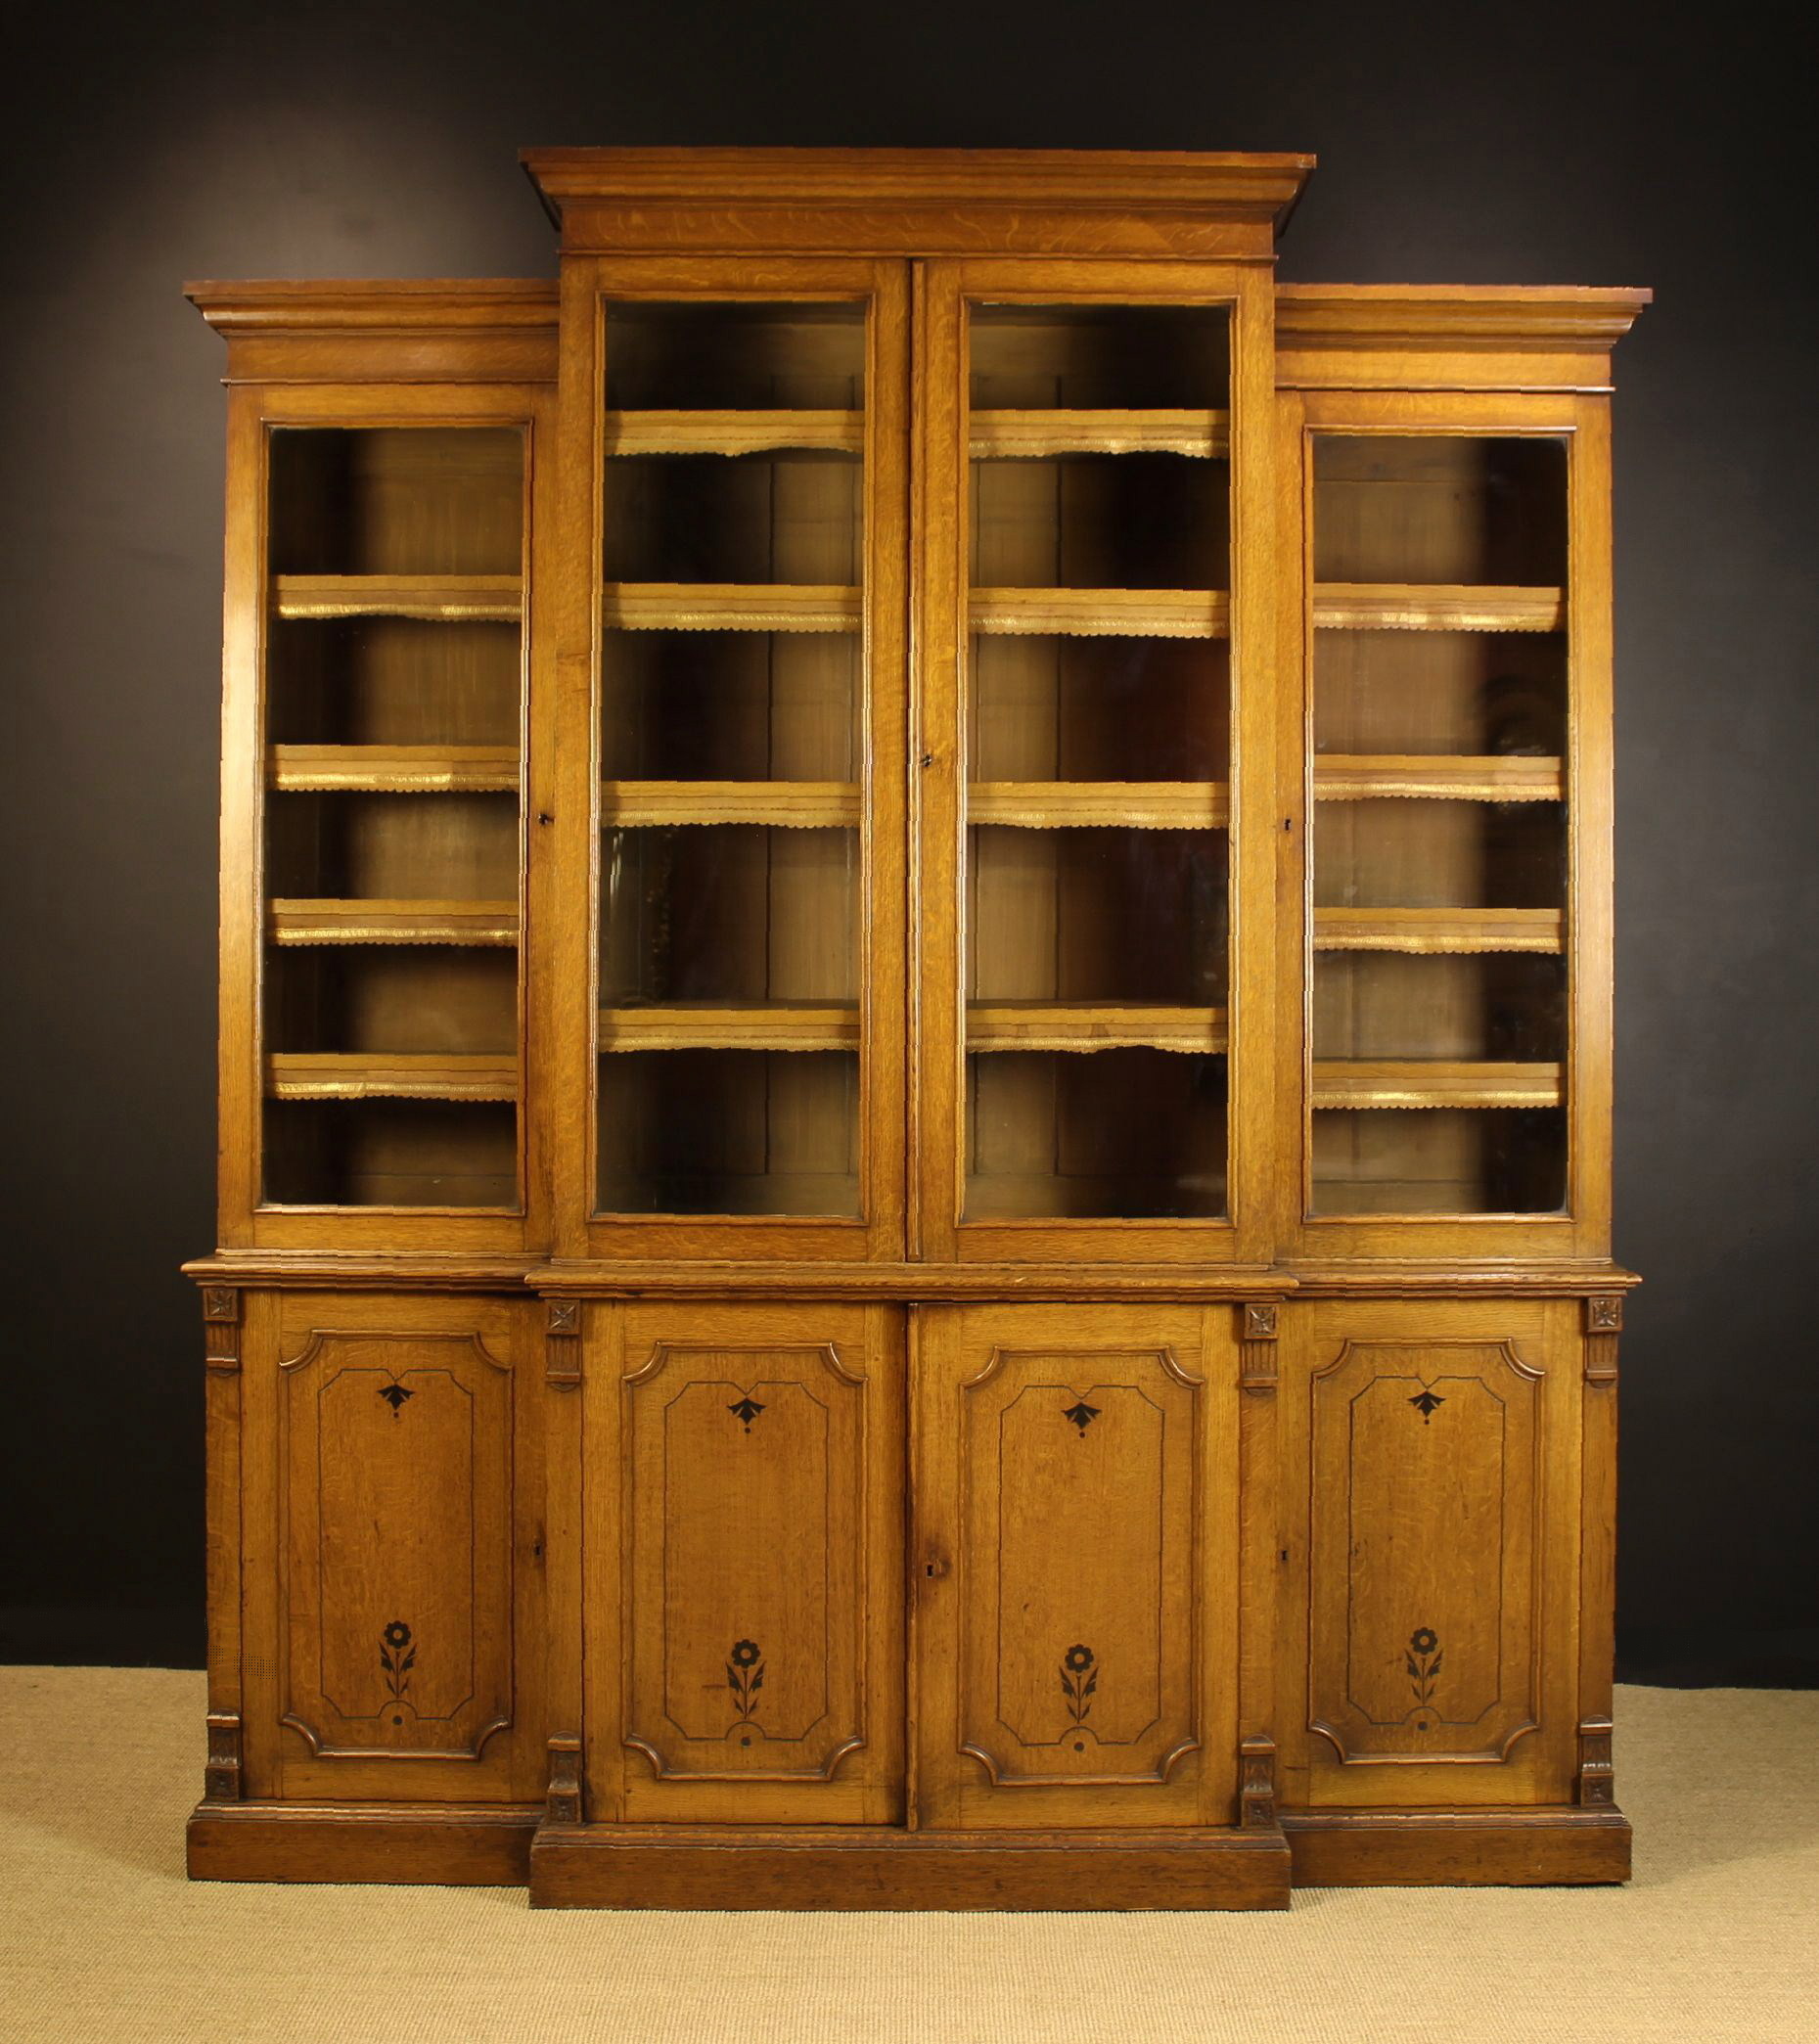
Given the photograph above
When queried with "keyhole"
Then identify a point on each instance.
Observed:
(747, 1740)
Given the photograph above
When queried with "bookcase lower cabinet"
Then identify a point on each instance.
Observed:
(1068, 1658)
(375, 1666)
(1447, 1665)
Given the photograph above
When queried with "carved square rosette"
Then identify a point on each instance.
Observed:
(221, 1327)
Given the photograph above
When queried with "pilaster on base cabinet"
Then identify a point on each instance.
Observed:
(1443, 1672)
(390, 1578)
(914, 1055)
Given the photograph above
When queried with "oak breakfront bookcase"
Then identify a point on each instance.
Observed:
(916, 1055)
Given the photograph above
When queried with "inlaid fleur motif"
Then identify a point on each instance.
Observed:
(397, 1656)
(1424, 1662)
(745, 1676)
(1426, 1403)
(746, 1408)
(1079, 1677)
(394, 1395)
(1081, 1413)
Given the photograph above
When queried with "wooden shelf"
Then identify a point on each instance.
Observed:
(714, 1026)
(389, 1075)
(1137, 805)
(1437, 929)
(1034, 435)
(1424, 1083)
(731, 606)
(1457, 778)
(1092, 1026)
(790, 805)
(448, 598)
(392, 769)
(343, 921)
(733, 432)
(1121, 614)
(1435, 606)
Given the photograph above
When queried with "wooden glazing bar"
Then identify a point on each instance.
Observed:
(1138, 805)
(776, 1025)
(459, 599)
(1437, 929)
(792, 805)
(1432, 1083)
(1120, 613)
(1434, 606)
(1092, 1026)
(393, 769)
(733, 432)
(730, 607)
(1034, 435)
(1495, 777)
(351, 921)
(389, 1075)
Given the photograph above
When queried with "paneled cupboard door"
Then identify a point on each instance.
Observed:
(1094, 669)
(1074, 1565)
(746, 629)
(1432, 1453)
(744, 1563)
(396, 1556)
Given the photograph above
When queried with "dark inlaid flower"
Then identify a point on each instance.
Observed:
(397, 1634)
(1079, 1659)
(744, 1653)
(1423, 1641)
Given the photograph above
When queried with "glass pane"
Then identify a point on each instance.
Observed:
(1098, 742)
(1439, 1007)
(732, 719)
(393, 700)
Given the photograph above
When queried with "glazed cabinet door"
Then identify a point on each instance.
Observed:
(743, 1556)
(1453, 624)
(376, 754)
(392, 1550)
(738, 986)
(1074, 1565)
(1096, 649)
(1432, 1454)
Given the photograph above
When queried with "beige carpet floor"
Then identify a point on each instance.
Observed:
(101, 1936)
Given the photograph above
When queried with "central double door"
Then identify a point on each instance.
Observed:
(915, 728)
(1029, 1619)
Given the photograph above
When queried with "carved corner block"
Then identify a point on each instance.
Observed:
(221, 1771)
(1256, 1362)
(1257, 1785)
(221, 1327)
(565, 1804)
(1604, 1322)
(562, 1331)
(1595, 1785)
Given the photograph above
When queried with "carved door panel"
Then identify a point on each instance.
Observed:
(385, 1658)
(1440, 1550)
(1076, 1564)
(744, 1626)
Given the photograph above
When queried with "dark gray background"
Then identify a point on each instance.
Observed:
(1550, 144)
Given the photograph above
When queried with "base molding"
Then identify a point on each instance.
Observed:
(873, 1867)
(451, 1845)
(1457, 1849)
